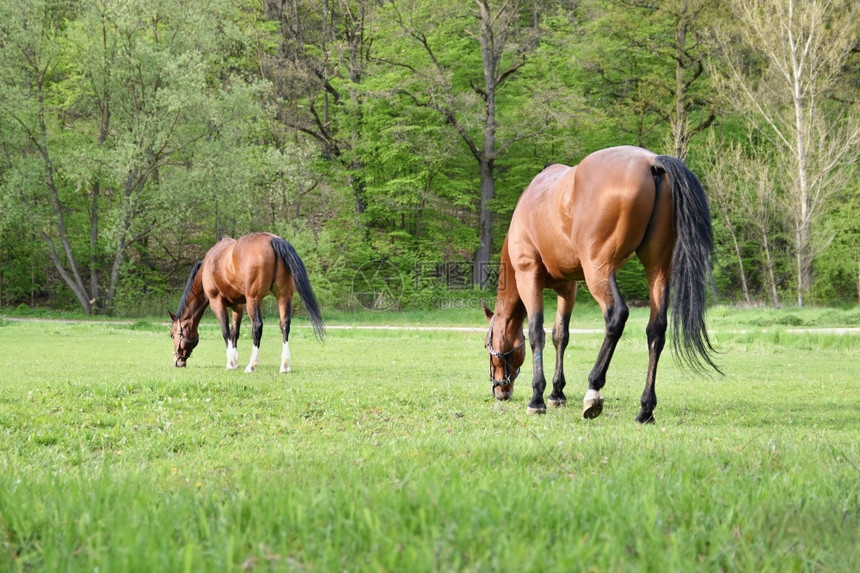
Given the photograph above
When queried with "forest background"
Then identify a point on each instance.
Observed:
(388, 140)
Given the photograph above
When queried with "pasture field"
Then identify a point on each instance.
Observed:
(384, 451)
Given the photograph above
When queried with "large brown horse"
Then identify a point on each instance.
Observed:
(236, 274)
(583, 223)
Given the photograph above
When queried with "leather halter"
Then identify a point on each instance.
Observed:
(192, 342)
(504, 356)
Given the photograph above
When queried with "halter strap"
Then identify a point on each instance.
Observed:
(183, 338)
(509, 378)
(192, 342)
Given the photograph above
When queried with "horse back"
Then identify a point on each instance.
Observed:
(238, 269)
(591, 215)
(614, 202)
(540, 223)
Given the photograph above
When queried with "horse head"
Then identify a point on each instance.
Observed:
(506, 353)
(185, 339)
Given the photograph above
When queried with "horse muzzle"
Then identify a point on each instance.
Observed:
(502, 389)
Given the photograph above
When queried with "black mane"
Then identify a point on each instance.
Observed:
(183, 302)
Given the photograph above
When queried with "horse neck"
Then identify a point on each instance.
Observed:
(510, 310)
(195, 304)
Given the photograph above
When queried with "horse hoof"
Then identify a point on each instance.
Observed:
(592, 405)
(250, 369)
(642, 419)
(557, 402)
(536, 409)
(591, 410)
(285, 370)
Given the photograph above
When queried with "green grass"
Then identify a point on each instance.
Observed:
(383, 450)
(587, 314)
(451, 311)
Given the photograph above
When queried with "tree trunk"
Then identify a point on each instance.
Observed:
(419, 212)
(804, 270)
(798, 259)
(482, 255)
(680, 128)
(774, 295)
(132, 183)
(72, 277)
(486, 159)
(94, 239)
(738, 254)
(104, 105)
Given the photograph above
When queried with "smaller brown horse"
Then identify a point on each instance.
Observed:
(583, 223)
(236, 274)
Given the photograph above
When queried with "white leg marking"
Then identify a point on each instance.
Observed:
(232, 356)
(592, 395)
(285, 358)
(252, 365)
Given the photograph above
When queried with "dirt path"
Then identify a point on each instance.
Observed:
(439, 328)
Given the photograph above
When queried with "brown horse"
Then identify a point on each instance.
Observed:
(236, 274)
(583, 223)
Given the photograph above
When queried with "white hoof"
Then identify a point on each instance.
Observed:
(250, 368)
(592, 405)
(285, 370)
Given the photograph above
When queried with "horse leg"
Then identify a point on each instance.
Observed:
(220, 312)
(656, 332)
(560, 338)
(658, 294)
(255, 314)
(615, 313)
(233, 340)
(285, 308)
(532, 297)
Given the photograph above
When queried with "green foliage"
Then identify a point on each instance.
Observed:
(837, 269)
(169, 124)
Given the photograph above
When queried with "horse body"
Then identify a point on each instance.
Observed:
(235, 275)
(571, 220)
(584, 223)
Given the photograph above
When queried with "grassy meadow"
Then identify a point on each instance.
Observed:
(383, 451)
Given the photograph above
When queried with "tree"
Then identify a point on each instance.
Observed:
(741, 186)
(29, 35)
(413, 177)
(316, 64)
(108, 98)
(727, 198)
(647, 60)
(783, 61)
(460, 71)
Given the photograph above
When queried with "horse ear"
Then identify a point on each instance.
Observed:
(487, 312)
(172, 316)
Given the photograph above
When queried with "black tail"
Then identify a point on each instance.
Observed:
(691, 265)
(300, 275)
